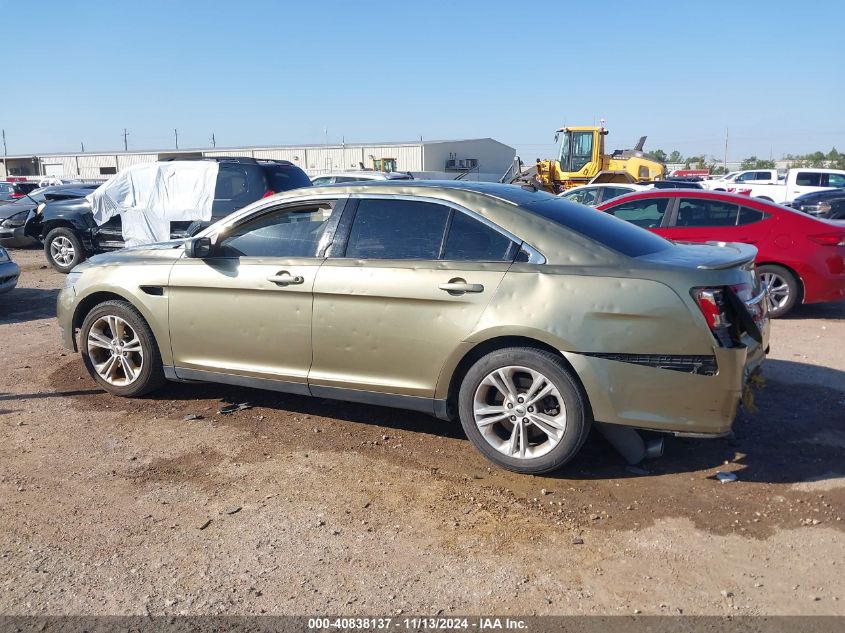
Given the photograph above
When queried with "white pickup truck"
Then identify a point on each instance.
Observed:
(797, 183)
(737, 178)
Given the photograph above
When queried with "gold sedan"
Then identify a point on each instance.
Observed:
(525, 316)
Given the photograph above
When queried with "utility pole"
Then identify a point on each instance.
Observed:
(213, 140)
(125, 142)
(725, 164)
(82, 146)
(5, 153)
(176, 134)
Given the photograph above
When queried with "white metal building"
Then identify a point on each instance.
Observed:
(481, 159)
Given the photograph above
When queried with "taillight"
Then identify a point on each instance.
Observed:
(829, 239)
(714, 307)
(268, 193)
(15, 194)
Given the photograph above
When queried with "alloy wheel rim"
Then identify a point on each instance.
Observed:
(62, 250)
(519, 412)
(777, 290)
(115, 350)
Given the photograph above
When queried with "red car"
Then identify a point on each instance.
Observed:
(800, 259)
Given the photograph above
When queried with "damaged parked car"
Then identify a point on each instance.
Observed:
(13, 216)
(525, 317)
(70, 232)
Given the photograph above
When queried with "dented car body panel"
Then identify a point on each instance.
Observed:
(394, 331)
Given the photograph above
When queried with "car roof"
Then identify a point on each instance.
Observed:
(515, 194)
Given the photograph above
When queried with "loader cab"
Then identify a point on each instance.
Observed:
(579, 147)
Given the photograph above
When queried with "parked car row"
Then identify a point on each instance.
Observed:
(64, 223)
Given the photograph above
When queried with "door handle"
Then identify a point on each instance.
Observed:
(456, 287)
(284, 278)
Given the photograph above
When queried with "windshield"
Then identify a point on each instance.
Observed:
(576, 150)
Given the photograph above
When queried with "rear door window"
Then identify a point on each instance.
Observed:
(809, 179)
(699, 212)
(749, 216)
(397, 229)
(237, 186)
(285, 177)
(471, 240)
(647, 213)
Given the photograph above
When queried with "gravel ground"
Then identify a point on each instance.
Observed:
(308, 506)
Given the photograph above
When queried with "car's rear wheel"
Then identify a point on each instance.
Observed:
(120, 351)
(63, 249)
(782, 288)
(523, 410)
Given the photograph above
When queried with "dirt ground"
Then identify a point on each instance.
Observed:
(307, 506)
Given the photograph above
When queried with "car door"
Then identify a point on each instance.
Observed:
(245, 311)
(406, 285)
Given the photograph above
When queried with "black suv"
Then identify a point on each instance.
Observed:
(70, 234)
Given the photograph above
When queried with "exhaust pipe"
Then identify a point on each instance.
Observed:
(654, 448)
(629, 443)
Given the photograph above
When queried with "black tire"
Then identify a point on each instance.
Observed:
(52, 251)
(780, 276)
(151, 374)
(574, 402)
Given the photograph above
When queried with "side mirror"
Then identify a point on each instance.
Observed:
(198, 247)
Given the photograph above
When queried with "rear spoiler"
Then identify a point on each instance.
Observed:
(745, 255)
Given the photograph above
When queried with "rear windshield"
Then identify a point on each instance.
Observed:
(285, 177)
(600, 227)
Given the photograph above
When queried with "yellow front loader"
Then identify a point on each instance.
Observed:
(583, 160)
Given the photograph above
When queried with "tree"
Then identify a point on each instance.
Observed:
(675, 157)
(753, 162)
(659, 155)
(816, 159)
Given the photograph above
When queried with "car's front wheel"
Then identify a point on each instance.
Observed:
(120, 351)
(63, 249)
(523, 410)
(782, 288)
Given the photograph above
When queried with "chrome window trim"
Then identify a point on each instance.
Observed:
(534, 256)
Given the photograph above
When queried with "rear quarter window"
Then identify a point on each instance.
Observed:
(286, 177)
(611, 232)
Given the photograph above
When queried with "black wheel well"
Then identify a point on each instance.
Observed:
(491, 345)
(90, 302)
(56, 224)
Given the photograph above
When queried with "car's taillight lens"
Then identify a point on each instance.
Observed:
(268, 193)
(711, 302)
(714, 306)
(16, 195)
(829, 239)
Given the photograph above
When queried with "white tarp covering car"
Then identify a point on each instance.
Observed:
(150, 196)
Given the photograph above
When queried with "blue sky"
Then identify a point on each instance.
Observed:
(277, 72)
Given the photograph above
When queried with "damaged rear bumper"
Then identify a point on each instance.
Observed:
(658, 398)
